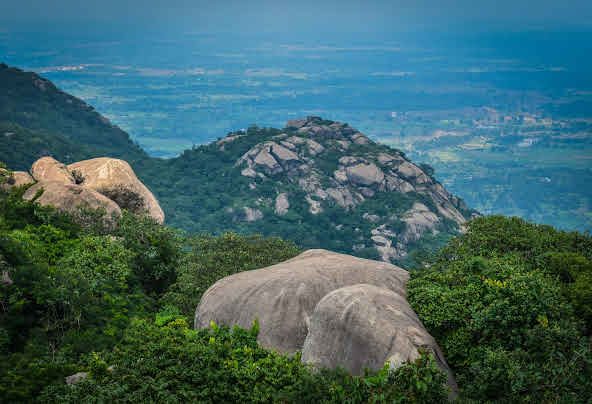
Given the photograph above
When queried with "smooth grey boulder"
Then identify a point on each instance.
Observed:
(363, 326)
(283, 297)
(76, 378)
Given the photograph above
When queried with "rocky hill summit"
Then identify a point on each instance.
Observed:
(320, 183)
(322, 165)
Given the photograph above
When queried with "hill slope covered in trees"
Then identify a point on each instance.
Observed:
(319, 183)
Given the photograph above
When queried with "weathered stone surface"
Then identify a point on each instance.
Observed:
(409, 170)
(296, 123)
(383, 239)
(340, 176)
(249, 172)
(17, 179)
(419, 220)
(6, 278)
(282, 204)
(296, 140)
(371, 218)
(251, 215)
(359, 138)
(289, 145)
(395, 183)
(344, 143)
(265, 160)
(68, 197)
(349, 160)
(367, 192)
(314, 148)
(366, 325)
(365, 174)
(283, 297)
(21, 178)
(385, 158)
(282, 154)
(315, 206)
(76, 378)
(342, 196)
(49, 169)
(115, 179)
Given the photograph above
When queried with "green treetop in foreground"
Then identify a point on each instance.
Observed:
(81, 295)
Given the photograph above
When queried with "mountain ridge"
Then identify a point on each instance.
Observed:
(318, 182)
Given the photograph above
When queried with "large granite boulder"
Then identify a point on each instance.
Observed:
(69, 197)
(115, 179)
(49, 169)
(336, 309)
(365, 174)
(363, 326)
(283, 296)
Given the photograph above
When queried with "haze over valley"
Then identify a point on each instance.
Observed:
(503, 118)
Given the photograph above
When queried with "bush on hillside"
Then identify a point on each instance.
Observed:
(508, 323)
(170, 363)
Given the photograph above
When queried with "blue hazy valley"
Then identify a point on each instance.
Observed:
(505, 119)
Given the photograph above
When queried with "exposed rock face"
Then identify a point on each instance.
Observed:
(387, 244)
(251, 215)
(282, 204)
(296, 123)
(315, 206)
(116, 179)
(69, 197)
(49, 169)
(269, 157)
(6, 278)
(419, 220)
(363, 326)
(323, 159)
(283, 296)
(365, 174)
(76, 378)
(17, 179)
(337, 309)
(101, 183)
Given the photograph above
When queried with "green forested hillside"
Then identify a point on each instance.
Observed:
(37, 104)
(222, 186)
(19, 146)
(329, 186)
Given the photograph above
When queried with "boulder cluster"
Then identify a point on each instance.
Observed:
(100, 183)
(336, 309)
(361, 170)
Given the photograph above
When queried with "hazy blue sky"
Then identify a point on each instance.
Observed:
(278, 15)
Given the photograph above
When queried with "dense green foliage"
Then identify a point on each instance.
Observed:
(79, 295)
(20, 147)
(509, 304)
(170, 363)
(56, 123)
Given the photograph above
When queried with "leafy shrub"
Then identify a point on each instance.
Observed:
(157, 251)
(509, 329)
(170, 363)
